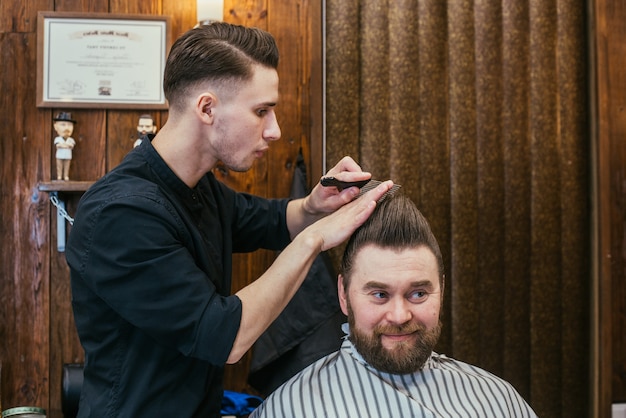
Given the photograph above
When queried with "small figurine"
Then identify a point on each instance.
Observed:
(64, 143)
(145, 128)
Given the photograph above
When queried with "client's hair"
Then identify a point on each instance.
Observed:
(397, 224)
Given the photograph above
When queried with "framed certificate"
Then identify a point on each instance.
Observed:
(101, 60)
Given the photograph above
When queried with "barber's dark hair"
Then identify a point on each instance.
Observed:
(218, 51)
(395, 224)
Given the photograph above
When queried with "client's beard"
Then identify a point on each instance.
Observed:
(405, 357)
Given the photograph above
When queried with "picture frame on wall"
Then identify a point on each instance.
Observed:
(101, 60)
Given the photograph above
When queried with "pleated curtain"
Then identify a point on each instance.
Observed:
(479, 109)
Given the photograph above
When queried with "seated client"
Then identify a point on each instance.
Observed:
(391, 288)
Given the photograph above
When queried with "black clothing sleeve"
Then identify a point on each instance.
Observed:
(150, 264)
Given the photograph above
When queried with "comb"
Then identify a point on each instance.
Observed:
(372, 185)
(340, 185)
(364, 185)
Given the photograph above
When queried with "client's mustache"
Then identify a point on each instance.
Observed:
(407, 328)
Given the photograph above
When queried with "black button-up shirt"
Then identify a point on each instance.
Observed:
(150, 263)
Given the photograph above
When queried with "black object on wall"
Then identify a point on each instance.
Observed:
(308, 328)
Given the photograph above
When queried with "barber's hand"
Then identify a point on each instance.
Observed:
(337, 227)
(323, 200)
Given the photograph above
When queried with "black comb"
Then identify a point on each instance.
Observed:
(364, 185)
(372, 185)
(340, 185)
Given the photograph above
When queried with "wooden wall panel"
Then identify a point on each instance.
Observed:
(121, 134)
(144, 7)
(24, 286)
(85, 6)
(315, 147)
(21, 16)
(37, 325)
(287, 17)
(609, 85)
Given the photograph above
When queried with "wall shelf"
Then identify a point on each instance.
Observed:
(57, 189)
(64, 186)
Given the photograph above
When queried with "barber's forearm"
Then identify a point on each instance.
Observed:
(298, 217)
(264, 299)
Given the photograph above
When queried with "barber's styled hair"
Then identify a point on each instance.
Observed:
(395, 224)
(218, 51)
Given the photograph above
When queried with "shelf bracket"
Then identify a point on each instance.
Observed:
(57, 190)
(62, 216)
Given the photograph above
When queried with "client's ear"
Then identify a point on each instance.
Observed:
(343, 298)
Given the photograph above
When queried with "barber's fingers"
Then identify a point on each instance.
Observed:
(348, 170)
(376, 193)
(345, 164)
(338, 226)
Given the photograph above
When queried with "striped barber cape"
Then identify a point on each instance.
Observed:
(342, 384)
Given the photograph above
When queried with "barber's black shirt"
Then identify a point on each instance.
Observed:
(150, 263)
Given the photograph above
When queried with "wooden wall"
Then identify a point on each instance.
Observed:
(37, 327)
(608, 41)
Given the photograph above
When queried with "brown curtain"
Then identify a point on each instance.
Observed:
(479, 109)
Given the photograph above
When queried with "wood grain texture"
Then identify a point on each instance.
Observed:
(609, 48)
(25, 289)
(37, 321)
(21, 16)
